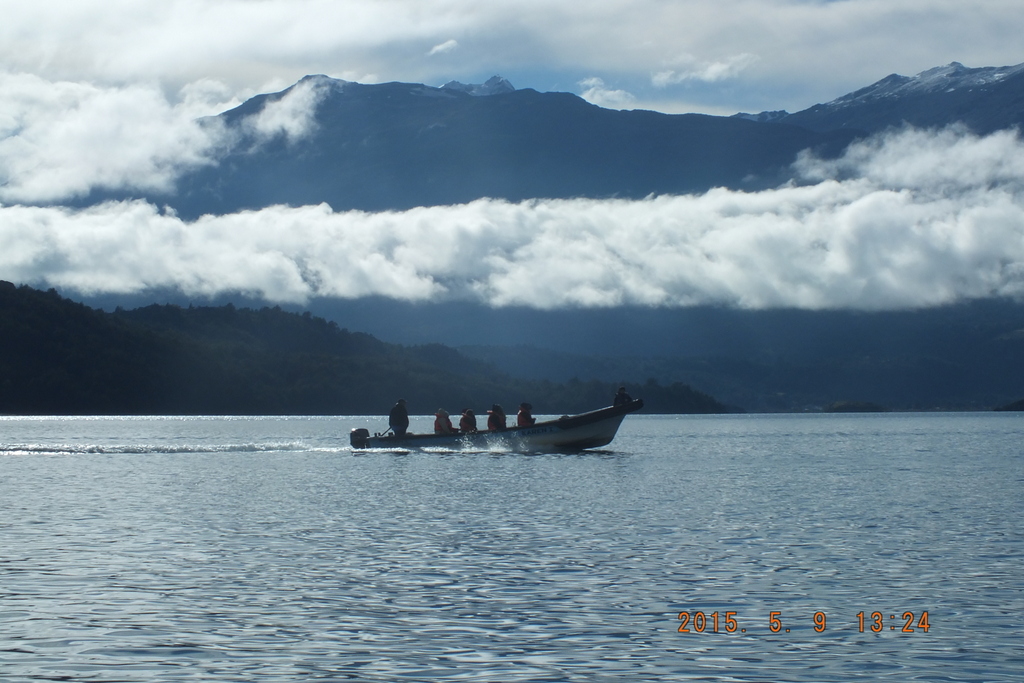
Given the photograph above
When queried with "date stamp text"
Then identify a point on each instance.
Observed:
(870, 622)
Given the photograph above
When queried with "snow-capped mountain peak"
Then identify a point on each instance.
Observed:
(495, 85)
(951, 77)
(985, 99)
(956, 75)
(763, 117)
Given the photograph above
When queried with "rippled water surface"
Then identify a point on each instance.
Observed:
(264, 549)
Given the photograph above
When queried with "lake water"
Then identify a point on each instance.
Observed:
(264, 549)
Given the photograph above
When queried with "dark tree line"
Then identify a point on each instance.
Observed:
(61, 357)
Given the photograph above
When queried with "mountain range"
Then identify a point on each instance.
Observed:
(394, 146)
(397, 145)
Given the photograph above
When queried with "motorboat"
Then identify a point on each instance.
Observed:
(567, 433)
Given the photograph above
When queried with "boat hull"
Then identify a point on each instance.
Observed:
(571, 433)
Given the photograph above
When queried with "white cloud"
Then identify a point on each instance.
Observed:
(60, 140)
(595, 92)
(293, 115)
(910, 219)
(443, 48)
(946, 162)
(688, 68)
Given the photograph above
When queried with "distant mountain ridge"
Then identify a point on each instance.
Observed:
(395, 146)
(984, 99)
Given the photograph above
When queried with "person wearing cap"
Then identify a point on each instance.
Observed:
(496, 419)
(443, 423)
(467, 423)
(525, 417)
(621, 398)
(398, 419)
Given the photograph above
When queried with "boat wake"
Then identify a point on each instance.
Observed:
(151, 449)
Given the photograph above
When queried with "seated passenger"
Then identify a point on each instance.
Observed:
(398, 419)
(443, 423)
(496, 419)
(467, 425)
(525, 417)
(622, 397)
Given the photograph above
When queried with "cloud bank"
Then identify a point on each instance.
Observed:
(910, 219)
(775, 53)
(60, 141)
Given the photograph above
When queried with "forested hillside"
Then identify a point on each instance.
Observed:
(62, 357)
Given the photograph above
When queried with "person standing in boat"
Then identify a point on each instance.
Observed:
(398, 419)
(443, 423)
(525, 417)
(467, 424)
(496, 419)
(621, 398)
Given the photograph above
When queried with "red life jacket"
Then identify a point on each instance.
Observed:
(443, 425)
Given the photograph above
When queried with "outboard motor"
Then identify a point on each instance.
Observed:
(358, 437)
